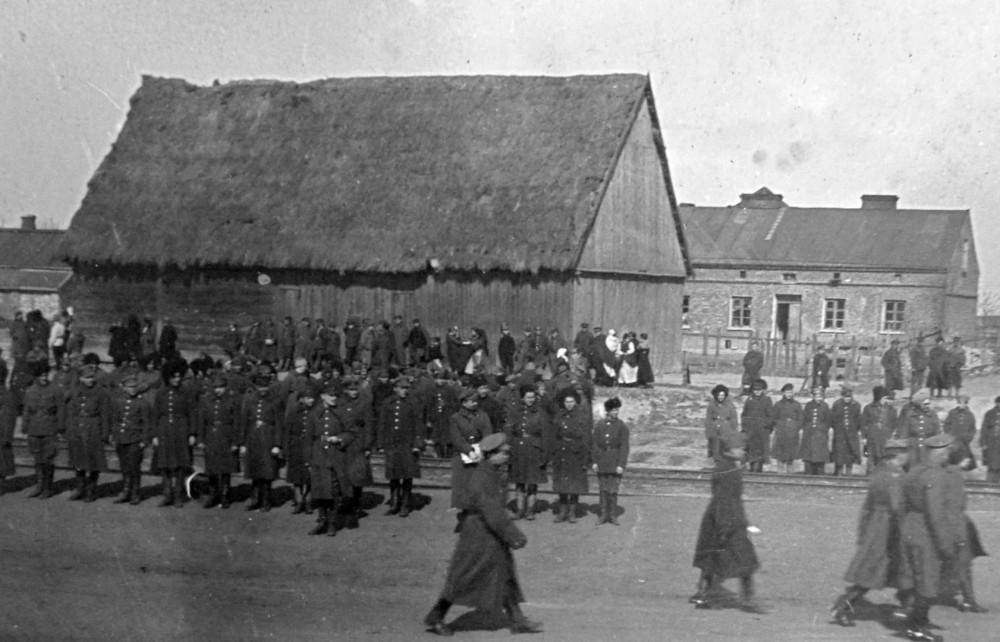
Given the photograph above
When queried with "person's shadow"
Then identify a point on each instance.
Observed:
(479, 621)
(885, 614)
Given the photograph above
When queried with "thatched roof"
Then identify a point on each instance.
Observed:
(358, 174)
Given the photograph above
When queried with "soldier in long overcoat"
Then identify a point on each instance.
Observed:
(957, 579)
(438, 405)
(175, 430)
(720, 418)
(845, 418)
(467, 428)
(878, 554)
(954, 363)
(261, 422)
(878, 424)
(724, 549)
(787, 418)
(609, 450)
(892, 365)
(357, 412)
(43, 423)
(329, 438)
(88, 424)
(219, 435)
(401, 438)
(814, 449)
(929, 539)
(937, 375)
(297, 446)
(131, 427)
(758, 422)
(753, 363)
(989, 442)
(918, 365)
(919, 424)
(571, 458)
(529, 435)
(821, 364)
(8, 419)
(961, 424)
(482, 574)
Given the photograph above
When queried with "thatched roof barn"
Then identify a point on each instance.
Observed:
(373, 196)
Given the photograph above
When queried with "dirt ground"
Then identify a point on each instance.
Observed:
(74, 571)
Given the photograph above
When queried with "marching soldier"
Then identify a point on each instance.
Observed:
(329, 438)
(131, 426)
(219, 436)
(610, 452)
(261, 419)
(43, 423)
(961, 424)
(88, 423)
(174, 433)
(399, 436)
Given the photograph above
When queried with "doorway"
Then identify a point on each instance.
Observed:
(788, 317)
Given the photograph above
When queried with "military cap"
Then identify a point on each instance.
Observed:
(919, 398)
(787, 387)
(351, 381)
(759, 384)
(614, 403)
(88, 371)
(401, 382)
(940, 440)
(491, 442)
(468, 393)
(897, 445)
(130, 381)
(261, 380)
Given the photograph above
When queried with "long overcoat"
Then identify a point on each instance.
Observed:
(262, 428)
(937, 361)
(219, 431)
(467, 428)
(878, 422)
(724, 548)
(877, 558)
(328, 462)
(529, 435)
(399, 434)
(893, 367)
(8, 419)
(917, 426)
(815, 444)
(440, 403)
(720, 419)
(88, 423)
(753, 363)
(965, 531)
(845, 418)
(757, 420)
(928, 537)
(482, 574)
(787, 415)
(175, 421)
(357, 412)
(961, 423)
(989, 439)
(297, 447)
(571, 450)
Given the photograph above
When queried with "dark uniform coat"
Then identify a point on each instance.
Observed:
(787, 414)
(893, 366)
(88, 423)
(219, 431)
(969, 544)
(815, 444)
(482, 574)
(573, 437)
(399, 434)
(297, 447)
(845, 417)
(467, 428)
(439, 405)
(328, 461)
(720, 418)
(175, 416)
(928, 537)
(43, 420)
(529, 435)
(953, 365)
(753, 363)
(821, 364)
(8, 418)
(961, 423)
(918, 426)
(262, 427)
(937, 361)
(357, 413)
(876, 563)
(878, 423)
(757, 419)
(609, 450)
(724, 548)
(989, 439)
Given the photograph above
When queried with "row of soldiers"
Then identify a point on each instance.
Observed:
(321, 428)
(843, 433)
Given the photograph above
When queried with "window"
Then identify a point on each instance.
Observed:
(743, 274)
(788, 277)
(833, 314)
(685, 310)
(740, 312)
(892, 319)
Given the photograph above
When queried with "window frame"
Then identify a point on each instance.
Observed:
(746, 310)
(901, 313)
(833, 327)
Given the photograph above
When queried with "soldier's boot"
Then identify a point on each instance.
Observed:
(181, 495)
(39, 481)
(397, 502)
(561, 508)
(224, 482)
(168, 490)
(331, 519)
(81, 487)
(49, 471)
(519, 623)
(352, 507)
(135, 496)
(92, 488)
(529, 506)
(602, 517)
(265, 496)
(299, 500)
(613, 508)
(126, 493)
(571, 511)
(406, 502)
(212, 499)
(322, 524)
(255, 496)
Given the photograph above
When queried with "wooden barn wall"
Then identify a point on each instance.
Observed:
(201, 304)
(652, 306)
(634, 230)
(439, 300)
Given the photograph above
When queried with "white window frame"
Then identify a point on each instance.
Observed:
(885, 321)
(749, 312)
(843, 320)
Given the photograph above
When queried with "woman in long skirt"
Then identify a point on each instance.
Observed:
(645, 377)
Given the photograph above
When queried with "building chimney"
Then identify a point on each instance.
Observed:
(28, 223)
(878, 201)
(762, 199)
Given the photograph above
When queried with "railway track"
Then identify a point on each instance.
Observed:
(436, 473)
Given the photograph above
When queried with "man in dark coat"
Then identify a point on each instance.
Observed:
(529, 434)
(954, 363)
(957, 579)
(878, 556)
(845, 419)
(219, 436)
(400, 438)
(919, 424)
(439, 404)
(168, 340)
(937, 362)
(892, 365)
(821, 364)
(814, 447)
(609, 449)
(878, 423)
(131, 423)
(961, 424)
(572, 437)
(482, 574)
(43, 423)
(261, 422)
(416, 344)
(918, 365)
(989, 442)
(357, 412)
(720, 418)
(88, 423)
(753, 363)
(724, 548)
(466, 428)
(758, 422)
(582, 340)
(175, 430)
(329, 438)
(506, 350)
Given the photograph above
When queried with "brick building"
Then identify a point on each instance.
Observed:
(764, 268)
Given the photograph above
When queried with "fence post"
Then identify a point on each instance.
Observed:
(852, 369)
(718, 340)
(704, 342)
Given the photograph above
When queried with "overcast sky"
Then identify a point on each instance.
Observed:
(819, 101)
